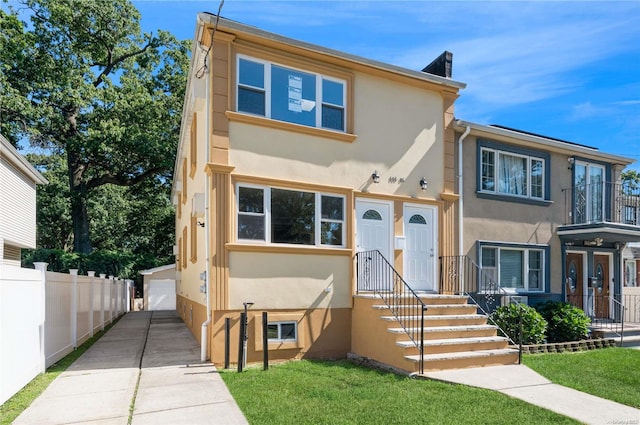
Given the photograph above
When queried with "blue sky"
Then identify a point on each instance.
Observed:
(569, 70)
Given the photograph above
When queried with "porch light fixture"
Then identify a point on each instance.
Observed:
(375, 177)
(423, 183)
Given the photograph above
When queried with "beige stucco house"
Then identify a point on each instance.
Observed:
(18, 180)
(307, 182)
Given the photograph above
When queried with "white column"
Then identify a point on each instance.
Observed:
(42, 313)
(74, 307)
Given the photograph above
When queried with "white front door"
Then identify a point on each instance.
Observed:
(373, 232)
(420, 254)
(373, 227)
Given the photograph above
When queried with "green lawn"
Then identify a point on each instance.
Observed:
(12, 408)
(611, 373)
(339, 392)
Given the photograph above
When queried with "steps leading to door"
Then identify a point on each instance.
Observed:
(455, 335)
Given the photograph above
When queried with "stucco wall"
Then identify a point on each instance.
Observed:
(399, 131)
(289, 281)
(515, 222)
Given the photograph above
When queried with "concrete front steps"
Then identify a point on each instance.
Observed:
(455, 335)
(631, 335)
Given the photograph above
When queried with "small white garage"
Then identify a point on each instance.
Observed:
(160, 288)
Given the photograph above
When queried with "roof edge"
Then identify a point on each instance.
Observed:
(210, 18)
(7, 149)
(569, 147)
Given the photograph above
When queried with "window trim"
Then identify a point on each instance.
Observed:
(318, 220)
(320, 75)
(194, 239)
(529, 154)
(525, 249)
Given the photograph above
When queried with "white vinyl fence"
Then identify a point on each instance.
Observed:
(46, 315)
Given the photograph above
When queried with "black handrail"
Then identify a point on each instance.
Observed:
(605, 311)
(459, 274)
(375, 274)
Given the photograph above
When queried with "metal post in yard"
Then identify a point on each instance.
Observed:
(520, 342)
(243, 318)
(245, 325)
(265, 341)
(227, 332)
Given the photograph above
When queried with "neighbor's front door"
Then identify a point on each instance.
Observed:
(574, 280)
(601, 292)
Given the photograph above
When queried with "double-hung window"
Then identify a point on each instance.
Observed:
(514, 173)
(291, 95)
(513, 267)
(284, 216)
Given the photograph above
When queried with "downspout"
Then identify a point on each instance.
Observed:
(461, 203)
(460, 188)
(204, 333)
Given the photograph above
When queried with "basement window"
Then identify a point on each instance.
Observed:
(282, 331)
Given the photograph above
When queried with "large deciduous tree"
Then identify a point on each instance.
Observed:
(80, 80)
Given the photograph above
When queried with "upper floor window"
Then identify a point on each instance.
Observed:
(589, 192)
(519, 268)
(283, 216)
(512, 173)
(290, 95)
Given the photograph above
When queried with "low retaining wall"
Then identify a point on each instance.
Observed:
(561, 347)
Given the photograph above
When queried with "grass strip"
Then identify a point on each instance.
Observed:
(13, 407)
(610, 373)
(340, 392)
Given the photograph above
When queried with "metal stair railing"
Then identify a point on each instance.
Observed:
(460, 275)
(375, 274)
(605, 311)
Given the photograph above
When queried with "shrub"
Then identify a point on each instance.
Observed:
(565, 321)
(507, 318)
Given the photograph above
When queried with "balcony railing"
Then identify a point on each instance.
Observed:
(602, 202)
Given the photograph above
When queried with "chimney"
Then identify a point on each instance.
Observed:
(441, 66)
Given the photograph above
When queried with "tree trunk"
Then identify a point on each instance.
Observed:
(78, 191)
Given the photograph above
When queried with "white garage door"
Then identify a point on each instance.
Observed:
(162, 294)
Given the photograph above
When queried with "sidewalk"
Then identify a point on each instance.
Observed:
(519, 381)
(153, 351)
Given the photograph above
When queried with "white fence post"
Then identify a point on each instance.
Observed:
(74, 307)
(102, 311)
(92, 275)
(42, 267)
(110, 298)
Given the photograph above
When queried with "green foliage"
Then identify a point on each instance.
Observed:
(81, 82)
(565, 321)
(507, 317)
(112, 263)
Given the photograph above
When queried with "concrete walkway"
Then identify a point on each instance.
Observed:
(153, 351)
(519, 381)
